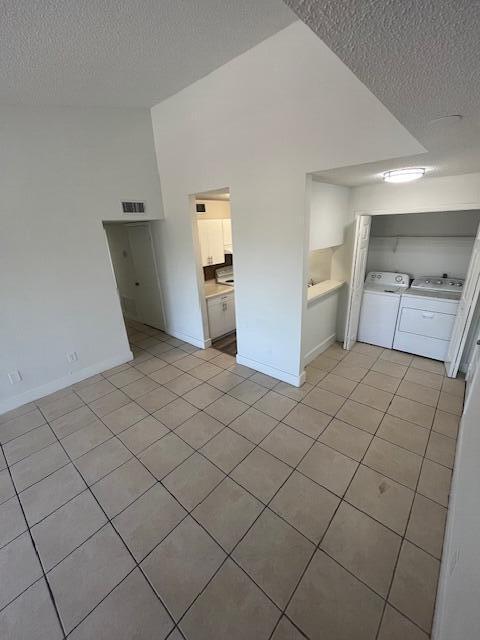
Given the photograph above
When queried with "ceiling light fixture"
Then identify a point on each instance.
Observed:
(404, 175)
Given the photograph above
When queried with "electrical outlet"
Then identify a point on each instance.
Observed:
(15, 377)
(72, 356)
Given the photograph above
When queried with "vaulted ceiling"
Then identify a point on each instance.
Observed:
(421, 58)
(123, 53)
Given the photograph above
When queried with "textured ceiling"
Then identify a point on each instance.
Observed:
(421, 58)
(123, 53)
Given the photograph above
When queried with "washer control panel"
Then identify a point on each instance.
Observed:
(388, 278)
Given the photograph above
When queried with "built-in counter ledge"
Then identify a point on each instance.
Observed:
(212, 289)
(322, 289)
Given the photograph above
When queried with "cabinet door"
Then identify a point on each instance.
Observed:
(221, 315)
(215, 318)
(215, 241)
(203, 237)
(229, 313)
(329, 210)
(227, 235)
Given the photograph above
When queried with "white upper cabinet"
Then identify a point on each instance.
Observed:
(329, 213)
(210, 235)
(227, 235)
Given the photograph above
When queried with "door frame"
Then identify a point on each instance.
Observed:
(148, 225)
(359, 266)
(192, 198)
(472, 206)
(461, 329)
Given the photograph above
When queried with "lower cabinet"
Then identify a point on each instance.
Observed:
(221, 315)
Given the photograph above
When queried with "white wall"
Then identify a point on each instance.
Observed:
(428, 194)
(320, 264)
(421, 256)
(258, 125)
(63, 171)
(457, 615)
(444, 223)
(319, 325)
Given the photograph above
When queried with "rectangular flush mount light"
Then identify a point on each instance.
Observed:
(404, 175)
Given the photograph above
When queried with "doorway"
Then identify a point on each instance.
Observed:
(414, 243)
(133, 262)
(212, 225)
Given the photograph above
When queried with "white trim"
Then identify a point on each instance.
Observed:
(199, 270)
(196, 342)
(458, 206)
(320, 348)
(445, 567)
(295, 380)
(148, 227)
(65, 381)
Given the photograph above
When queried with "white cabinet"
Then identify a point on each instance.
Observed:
(227, 236)
(210, 235)
(221, 315)
(329, 211)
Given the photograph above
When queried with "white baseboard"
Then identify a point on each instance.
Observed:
(197, 342)
(61, 383)
(320, 348)
(295, 380)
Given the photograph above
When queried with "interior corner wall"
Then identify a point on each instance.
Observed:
(63, 171)
(258, 125)
(447, 193)
(457, 193)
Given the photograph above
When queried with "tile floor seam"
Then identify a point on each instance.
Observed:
(265, 508)
(30, 454)
(44, 575)
(387, 598)
(188, 513)
(107, 523)
(318, 545)
(267, 504)
(256, 445)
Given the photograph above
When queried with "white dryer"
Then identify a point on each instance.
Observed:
(380, 304)
(427, 315)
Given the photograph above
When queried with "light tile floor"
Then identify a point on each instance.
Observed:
(184, 496)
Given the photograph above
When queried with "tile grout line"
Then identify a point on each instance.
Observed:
(314, 440)
(136, 565)
(404, 538)
(187, 513)
(317, 548)
(44, 575)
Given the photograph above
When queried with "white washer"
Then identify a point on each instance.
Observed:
(426, 316)
(380, 303)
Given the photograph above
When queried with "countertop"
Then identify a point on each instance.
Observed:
(322, 289)
(212, 289)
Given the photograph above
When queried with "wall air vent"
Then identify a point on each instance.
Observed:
(201, 208)
(133, 207)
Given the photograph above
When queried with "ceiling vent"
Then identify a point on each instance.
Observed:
(133, 207)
